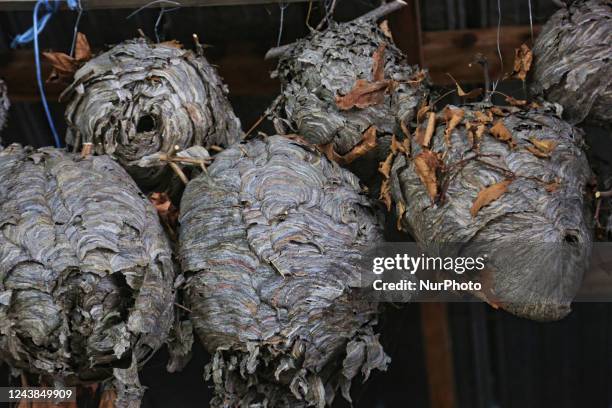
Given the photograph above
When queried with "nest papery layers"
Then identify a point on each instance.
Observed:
(86, 275)
(140, 98)
(572, 58)
(270, 241)
(328, 64)
(537, 234)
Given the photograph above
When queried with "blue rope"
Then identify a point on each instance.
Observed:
(31, 35)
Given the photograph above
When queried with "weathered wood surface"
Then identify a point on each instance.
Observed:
(115, 4)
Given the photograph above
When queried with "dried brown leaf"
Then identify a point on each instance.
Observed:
(384, 167)
(484, 117)
(172, 44)
(401, 210)
(82, 50)
(422, 112)
(523, 57)
(396, 146)
(384, 27)
(489, 194)
(385, 194)
(537, 152)
(497, 111)
(426, 165)
(107, 400)
(516, 102)
(64, 66)
(471, 94)
(501, 133)
(363, 94)
(367, 143)
(452, 117)
(545, 146)
(552, 187)
(424, 136)
(378, 64)
(168, 213)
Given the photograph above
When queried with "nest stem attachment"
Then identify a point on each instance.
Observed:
(481, 60)
(373, 15)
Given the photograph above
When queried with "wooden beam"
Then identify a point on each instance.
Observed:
(242, 68)
(438, 355)
(6, 5)
(453, 51)
(405, 25)
(247, 73)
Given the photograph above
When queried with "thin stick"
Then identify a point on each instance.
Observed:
(373, 15)
(382, 11)
(327, 15)
(308, 15)
(175, 167)
(182, 307)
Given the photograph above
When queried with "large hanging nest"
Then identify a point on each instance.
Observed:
(572, 58)
(270, 241)
(86, 276)
(505, 182)
(4, 107)
(348, 89)
(140, 98)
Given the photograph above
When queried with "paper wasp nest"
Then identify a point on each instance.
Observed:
(572, 61)
(506, 183)
(86, 276)
(339, 83)
(270, 243)
(140, 98)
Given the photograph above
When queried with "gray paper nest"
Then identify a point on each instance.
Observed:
(537, 234)
(325, 65)
(140, 98)
(270, 240)
(86, 277)
(572, 58)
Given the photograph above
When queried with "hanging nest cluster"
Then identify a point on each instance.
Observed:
(502, 181)
(348, 89)
(270, 242)
(86, 275)
(4, 107)
(572, 58)
(141, 99)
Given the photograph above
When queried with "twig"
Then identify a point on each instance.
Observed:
(308, 16)
(179, 172)
(373, 15)
(86, 150)
(182, 307)
(382, 11)
(327, 15)
(603, 194)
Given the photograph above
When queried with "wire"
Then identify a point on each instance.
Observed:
(31, 35)
(41, 87)
(530, 20)
(282, 6)
(501, 59)
(75, 32)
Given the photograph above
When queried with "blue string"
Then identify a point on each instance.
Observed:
(31, 35)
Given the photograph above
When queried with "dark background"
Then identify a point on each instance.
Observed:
(496, 360)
